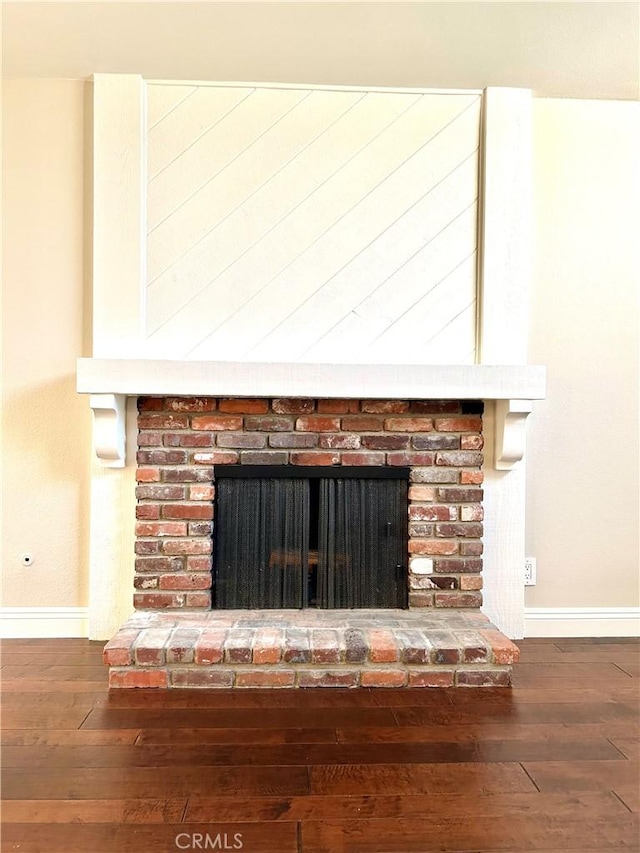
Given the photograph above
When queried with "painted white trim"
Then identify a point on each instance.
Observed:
(119, 214)
(213, 84)
(109, 419)
(44, 622)
(582, 622)
(264, 379)
(511, 435)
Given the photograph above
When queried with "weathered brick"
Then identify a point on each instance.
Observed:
(216, 423)
(421, 493)
(200, 528)
(242, 440)
(463, 528)
(209, 647)
(356, 648)
(189, 439)
(471, 549)
(200, 492)
(471, 442)
(328, 678)
(184, 581)
(191, 404)
(163, 421)
(471, 477)
(244, 405)
(420, 599)
(434, 512)
(459, 495)
(483, 678)
(265, 678)
(268, 423)
(147, 546)
(435, 442)
(408, 424)
(119, 650)
(383, 678)
(458, 565)
(297, 647)
(317, 423)
(267, 646)
(370, 458)
(474, 512)
(432, 547)
(162, 457)
(434, 475)
(459, 458)
(202, 678)
(150, 648)
(468, 582)
(435, 407)
(421, 530)
(386, 442)
(146, 438)
(383, 647)
(198, 564)
(180, 648)
(385, 407)
(502, 649)
(409, 458)
(337, 407)
(414, 646)
(148, 475)
(431, 678)
(146, 582)
(216, 457)
(458, 599)
(360, 423)
(325, 647)
(340, 441)
(151, 404)
(187, 511)
(293, 405)
(293, 439)
(148, 512)
(175, 547)
(237, 647)
(198, 599)
(432, 582)
(200, 474)
(301, 457)
(161, 493)
(158, 600)
(264, 457)
(475, 654)
(463, 423)
(161, 528)
(421, 565)
(119, 678)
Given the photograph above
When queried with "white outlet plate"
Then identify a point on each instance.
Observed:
(529, 571)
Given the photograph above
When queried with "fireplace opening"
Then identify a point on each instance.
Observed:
(297, 537)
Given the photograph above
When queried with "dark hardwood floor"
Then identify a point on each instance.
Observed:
(551, 765)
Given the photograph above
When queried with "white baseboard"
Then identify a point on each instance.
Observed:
(43, 622)
(582, 622)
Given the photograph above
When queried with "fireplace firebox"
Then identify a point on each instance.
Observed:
(296, 537)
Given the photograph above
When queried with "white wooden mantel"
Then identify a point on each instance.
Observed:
(125, 366)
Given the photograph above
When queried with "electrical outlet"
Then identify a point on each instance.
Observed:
(529, 571)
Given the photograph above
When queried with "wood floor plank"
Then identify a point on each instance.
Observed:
(630, 796)
(278, 837)
(95, 811)
(583, 775)
(556, 712)
(89, 672)
(407, 806)
(202, 737)
(508, 834)
(332, 780)
(47, 758)
(67, 737)
(80, 783)
(278, 718)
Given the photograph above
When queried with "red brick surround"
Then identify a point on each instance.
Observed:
(181, 439)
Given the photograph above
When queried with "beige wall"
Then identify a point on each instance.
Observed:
(582, 468)
(45, 424)
(582, 518)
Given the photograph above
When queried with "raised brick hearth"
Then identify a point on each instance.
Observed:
(175, 639)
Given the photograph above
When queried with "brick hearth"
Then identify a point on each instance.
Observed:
(310, 648)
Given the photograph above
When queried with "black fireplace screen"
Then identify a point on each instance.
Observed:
(294, 537)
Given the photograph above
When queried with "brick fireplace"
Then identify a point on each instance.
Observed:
(176, 638)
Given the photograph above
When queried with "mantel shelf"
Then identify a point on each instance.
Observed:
(134, 377)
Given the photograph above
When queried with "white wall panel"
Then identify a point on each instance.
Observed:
(311, 224)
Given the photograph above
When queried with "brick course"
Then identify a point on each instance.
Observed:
(181, 439)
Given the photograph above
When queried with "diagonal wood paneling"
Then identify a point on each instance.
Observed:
(302, 224)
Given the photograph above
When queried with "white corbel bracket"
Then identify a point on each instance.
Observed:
(109, 418)
(511, 420)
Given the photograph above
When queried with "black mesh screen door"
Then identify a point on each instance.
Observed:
(294, 537)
